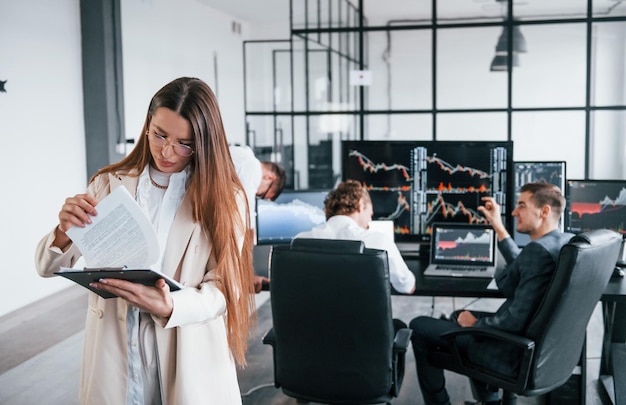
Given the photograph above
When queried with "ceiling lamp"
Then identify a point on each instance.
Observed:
(500, 62)
(519, 42)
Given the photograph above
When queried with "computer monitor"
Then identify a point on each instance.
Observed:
(596, 204)
(277, 222)
(553, 172)
(418, 183)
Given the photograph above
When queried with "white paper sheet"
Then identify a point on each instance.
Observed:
(120, 235)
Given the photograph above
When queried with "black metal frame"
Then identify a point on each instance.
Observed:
(314, 32)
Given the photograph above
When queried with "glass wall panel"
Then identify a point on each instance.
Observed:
(343, 95)
(399, 127)
(608, 145)
(267, 74)
(320, 167)
(549, 73)
(606, 8)
(472, 126)
(299, 74)
(300, 153)
(318, 78)
(552, 73)
(282, 80)
(476, 11)
(401, 66)
(551, 135)
(608, 80)
(464, 79)
(260, 131)
(314, 14)
(549, 10)
(407, 11)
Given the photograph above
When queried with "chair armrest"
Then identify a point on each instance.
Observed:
(465, 366)
(402, 339)
(269, 338)
(400, 343)
(491, 333)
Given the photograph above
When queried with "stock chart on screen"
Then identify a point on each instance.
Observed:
(596, 204)
(416, 184)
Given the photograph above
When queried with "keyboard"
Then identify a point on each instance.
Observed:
(452, 267)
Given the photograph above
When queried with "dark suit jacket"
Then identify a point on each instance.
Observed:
(523, 282)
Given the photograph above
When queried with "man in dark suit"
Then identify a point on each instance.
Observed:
(523, 282)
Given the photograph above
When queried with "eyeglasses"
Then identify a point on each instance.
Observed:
(267, 190)
(160, 141)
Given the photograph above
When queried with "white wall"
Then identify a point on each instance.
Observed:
(163, 40)
(42, 130)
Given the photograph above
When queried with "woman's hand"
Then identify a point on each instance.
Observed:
(156, 300)
(75, 212)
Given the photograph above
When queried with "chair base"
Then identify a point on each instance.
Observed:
(509, 398)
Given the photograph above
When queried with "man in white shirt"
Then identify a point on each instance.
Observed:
(261, 179)
(349, 211)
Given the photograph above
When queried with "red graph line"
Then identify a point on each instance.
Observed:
(445, 166)
(449, 210)
(372, 167)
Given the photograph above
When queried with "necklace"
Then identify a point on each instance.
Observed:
(157, 185)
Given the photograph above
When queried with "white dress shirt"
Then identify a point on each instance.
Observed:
(250, 173)
(344, 227)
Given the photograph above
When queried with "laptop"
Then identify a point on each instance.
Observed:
(462, 250)
(383, 226)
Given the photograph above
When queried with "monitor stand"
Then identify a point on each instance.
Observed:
(415, 250)
(621, 259)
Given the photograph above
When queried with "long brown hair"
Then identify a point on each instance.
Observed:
(212, 187)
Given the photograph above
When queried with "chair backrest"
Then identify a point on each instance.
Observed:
(558, 328)
(332, 320)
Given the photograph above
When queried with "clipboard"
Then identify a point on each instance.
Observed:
(89, 275)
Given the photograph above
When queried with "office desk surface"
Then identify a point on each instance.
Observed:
(448, 286)
(616, 290)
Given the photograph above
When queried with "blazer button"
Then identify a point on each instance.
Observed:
(100, 313)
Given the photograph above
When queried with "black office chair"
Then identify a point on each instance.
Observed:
(333, 338)
(551, 346)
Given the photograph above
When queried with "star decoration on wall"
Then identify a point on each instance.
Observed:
(2, 83)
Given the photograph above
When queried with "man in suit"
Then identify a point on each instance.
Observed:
(523, 282)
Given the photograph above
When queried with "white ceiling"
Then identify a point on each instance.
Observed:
(379, 12)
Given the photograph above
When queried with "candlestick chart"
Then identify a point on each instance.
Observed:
(596, 204)
(416, 184)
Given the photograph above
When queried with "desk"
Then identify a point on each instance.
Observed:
(448, 286)
(613, 360)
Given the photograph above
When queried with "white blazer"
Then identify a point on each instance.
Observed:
(195, 361)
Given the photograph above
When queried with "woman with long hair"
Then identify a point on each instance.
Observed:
(152, 345)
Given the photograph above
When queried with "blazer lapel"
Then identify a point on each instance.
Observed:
(178, 239)
(130, 182)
